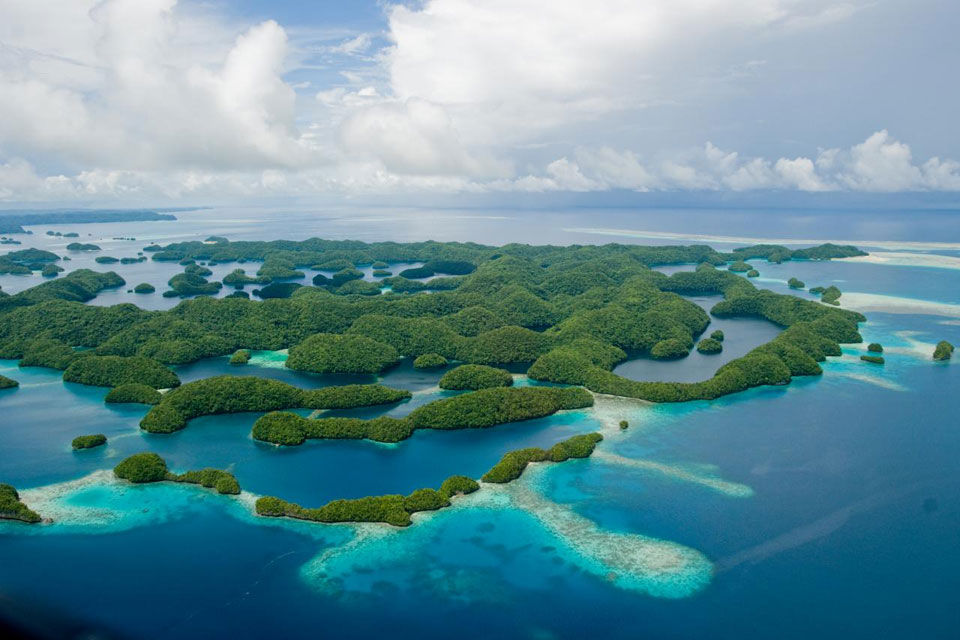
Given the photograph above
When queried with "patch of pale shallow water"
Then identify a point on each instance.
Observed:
(629, 561)
(702, 475)
(271, 359)
(610, 410)
(906, 259)
(867, 302)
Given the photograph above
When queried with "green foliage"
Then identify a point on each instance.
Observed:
(49, 353)
(51, 270)
(709, 346)
(190, 284)
(240, 356)
(670, 349)
(425, 500)
(458, 485)
(831, 295)
(144, 287)
(141, 468)
(943, 351)
(753, 273)
(473, 321)
(133, 393)
(490, 407)
(113, 371)
(344, 276)
(106, 260)
(416, 273)
(359, 288)
(332, 353)
(740, 267)
(872, 359)
(233, 394)
(475, 376)
(382, 273)
(290, 429)
(794, 283)
(89, 442)
(238, 278)
(277, 290)
(11, 508)
(8, 383)
(221, 481)
(875, 347)
(79, 246)
(624, 424)
(430, 361)
(512, 465)
(717, 335)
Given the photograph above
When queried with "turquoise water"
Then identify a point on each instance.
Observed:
(826, 508)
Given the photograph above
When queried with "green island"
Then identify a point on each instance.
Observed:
(569, 314)
(238, 394)
(478, 410)
(11, 508)
(240, 356)
(89, 442)
(80, 246)
(709, 346)
(142, 468)
(872, 359)
(389, 509)
(470, 377)
(795, 283)
(717, 335)
(875, 347)
(14, 222)
(430, 361)
(144, 287)
(397, 509)
(753, 273)
(8, 383)
(943, 351)
(133, 392)
(113, 371)
(334, 353)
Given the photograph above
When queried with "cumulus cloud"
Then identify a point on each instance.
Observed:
(149, 99)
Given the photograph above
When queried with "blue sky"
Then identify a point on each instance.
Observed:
(158, 100)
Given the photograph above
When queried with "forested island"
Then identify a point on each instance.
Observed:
(564, 315)
(15, 221)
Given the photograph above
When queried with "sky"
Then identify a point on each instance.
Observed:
(201, 101)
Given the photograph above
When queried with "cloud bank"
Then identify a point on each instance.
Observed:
(140, 99)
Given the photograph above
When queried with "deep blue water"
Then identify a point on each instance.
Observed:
(851, 528)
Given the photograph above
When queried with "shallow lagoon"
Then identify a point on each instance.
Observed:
(828, 501)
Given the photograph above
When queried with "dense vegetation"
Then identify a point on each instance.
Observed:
(569, 313)
(481, 409)
(872, 359)
(943, 351)
(79, 246)
(475, 376)
(875, 347)
(709, 346)
(133, 393)
(333, 353)
(717, 335)
(113, 371)
(143, 468)
(11, 508)
(89, 442)
(144, 287)
(231, 394)
(240, 356)
(430, 361)
(389, 509)
(794, 283)
(8, 383)
(512, 465)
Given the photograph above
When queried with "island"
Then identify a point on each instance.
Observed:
(875, 347)
(709, 346)
(142, 468)
(240, 356)
(795, 283)
(470, 377)
(11, 508)
(8, 383)
(943, 351)
(144, 287)
(15, 221)
(89, 442)
(430, 361)
(872, 359)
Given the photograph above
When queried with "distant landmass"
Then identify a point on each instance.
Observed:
(14, 221)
